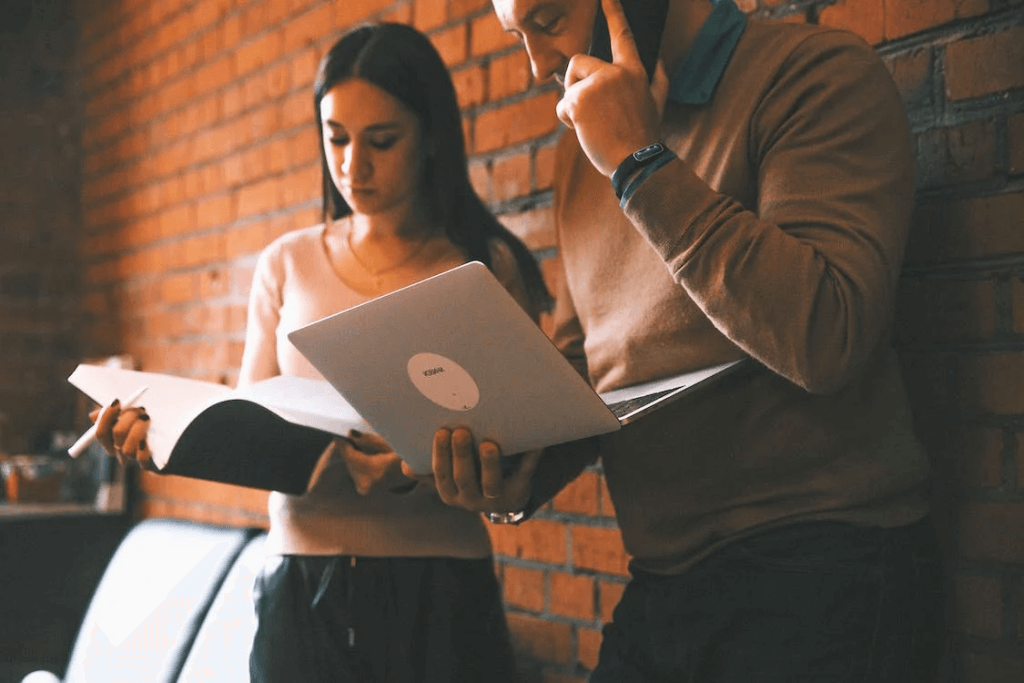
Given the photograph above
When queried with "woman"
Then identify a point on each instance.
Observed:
(369, 576)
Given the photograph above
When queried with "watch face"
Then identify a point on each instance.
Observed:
(648, 152)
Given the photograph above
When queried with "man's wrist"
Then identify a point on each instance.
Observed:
(633, 163)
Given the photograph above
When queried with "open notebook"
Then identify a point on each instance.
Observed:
(457, 350)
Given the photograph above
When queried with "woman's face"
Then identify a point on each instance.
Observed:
(374, 147)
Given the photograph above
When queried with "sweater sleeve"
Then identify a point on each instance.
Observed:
(804, 282)
(259, 358)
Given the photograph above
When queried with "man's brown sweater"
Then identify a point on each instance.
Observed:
(778, 235)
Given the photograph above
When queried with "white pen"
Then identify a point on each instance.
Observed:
(90, 434)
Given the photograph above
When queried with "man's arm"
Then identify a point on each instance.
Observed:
(805, 281)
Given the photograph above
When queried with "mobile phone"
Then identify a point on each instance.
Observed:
(647, 20)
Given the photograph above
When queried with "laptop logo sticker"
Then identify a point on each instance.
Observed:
(443, 381)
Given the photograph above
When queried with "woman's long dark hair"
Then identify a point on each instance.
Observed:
(402, 62)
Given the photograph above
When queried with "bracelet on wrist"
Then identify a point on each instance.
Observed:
(634, 162)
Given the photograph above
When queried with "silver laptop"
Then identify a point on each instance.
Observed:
(457, 350)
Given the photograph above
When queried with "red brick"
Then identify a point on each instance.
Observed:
(963, 154)
(538, 539)
(216, 282)
(572, 595)
(469, 85)
(177, 289)
(607, 506)
(523, 588)
(991, 383)
(535, 227)
(400, 14)
(979, 610)
(452, 44)
(863, 17)
(544, 168)
(258, 53)
(903, 17)
(580, 496)
(936, 310)
(599, 549)
(205, 14)
(967, 229)
(308, 28)
(971, 455)
(300, 185)
(258, 198)
(255, 17)
(991, 532)
(511, 176)
(611, 593)
(589, 646)
(1015, 142)
(231, 101)
(458, 9)
(912, 75)
(303, 148)
(303, 69)
(986, 64)
(348, 13)
(487, 36)
(518, 122)
(508, 75)
(427, 14)
(540, 639)
(480, 177)
(204, 249)
(214, 75)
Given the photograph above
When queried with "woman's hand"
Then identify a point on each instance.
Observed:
(373, 465)
(122, 433)
(471, 477)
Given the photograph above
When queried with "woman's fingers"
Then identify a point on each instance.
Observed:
(105, 425)
(369, 443)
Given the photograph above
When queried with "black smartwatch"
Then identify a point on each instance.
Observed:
(633, 163)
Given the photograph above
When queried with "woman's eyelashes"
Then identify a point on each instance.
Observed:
(382, 143)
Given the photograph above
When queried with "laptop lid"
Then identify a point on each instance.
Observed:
(453, 350)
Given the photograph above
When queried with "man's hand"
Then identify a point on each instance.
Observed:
(611, 107)
(471, 478)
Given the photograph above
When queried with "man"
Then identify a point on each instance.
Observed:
(778, 521)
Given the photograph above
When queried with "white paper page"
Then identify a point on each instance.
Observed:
(172, 402)
(308, 402)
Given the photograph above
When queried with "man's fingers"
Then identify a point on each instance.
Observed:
(464, 468)
(624, 52)
(441, 463)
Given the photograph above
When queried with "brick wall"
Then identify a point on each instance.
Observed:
(198, 150)
(39, 219)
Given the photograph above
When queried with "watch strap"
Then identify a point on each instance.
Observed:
(632, 163)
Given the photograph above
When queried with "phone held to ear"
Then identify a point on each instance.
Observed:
(646, 18)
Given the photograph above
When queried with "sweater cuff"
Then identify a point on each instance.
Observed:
(673, 209)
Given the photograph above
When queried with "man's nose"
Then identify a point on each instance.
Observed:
(545, 60)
